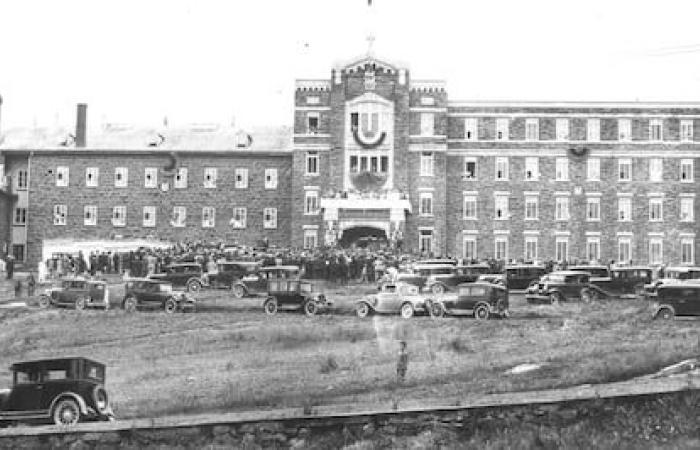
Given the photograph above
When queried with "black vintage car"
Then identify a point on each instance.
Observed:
(187, 275)
(622, 281)
(155, 294)
(64, 391)
(519, 276)
(78, 293)
(256, 283)
(681, 299)
(565, 285)
(480, 300)
(294, 295)
(229, 273)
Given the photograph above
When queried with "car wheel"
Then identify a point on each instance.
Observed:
(44, 301)
(194, 286)
(170, 306)
(665, 314)
(481, 312)
(586, 295)
(310, 308)
(270, 306)
(438, 289)
(362, 310)
(66, 413)
(554, 298)
(80, 303)
(407, 311)
(130, 304)
(238, 291)
(435, 309)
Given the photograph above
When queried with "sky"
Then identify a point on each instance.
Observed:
(235, 62)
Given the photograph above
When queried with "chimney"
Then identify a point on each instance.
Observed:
(81, 125)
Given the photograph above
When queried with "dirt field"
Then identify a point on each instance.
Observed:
(230, 356)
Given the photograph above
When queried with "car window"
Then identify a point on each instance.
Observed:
(56, 374)
(26, 377)
(478, 290)
(95, 372)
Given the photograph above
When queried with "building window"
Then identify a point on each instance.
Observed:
(20, 217)
(181, 178)
(310, 238)
(656, 251)
(426, 203)
(62, 176)
(656, 129)
(502, 133)
(624, 169)
(687, 251)
(656, 170)
(427, 162)
(624, 209)
(502, 168)
(471, 129)
(271, 178)
(501, 248)
(532, 129)
(18, 252)
(531, 207)
(470, 168)
(532, 168)
(562, 169)
(470, 211)
(239, 218)
(241, 178)
(656, 209)
(179, 218)
(687, 171)
(593, 130)
(60, 212)
(624, 130)
(150, 177)
(121, 177)
(119, 216)
(208, 217)
(90, 215)
(530, 248)
(562, 248)
(427, 124)
(313, 100)
(686, 130)
(562, 129)
(593, 209)
(312, 121)
(593, 248)
(92, 175)
(469, 251)
(425, 241)
(427, 101)
(270, 218)
(687, 209)
(624, 250)
(312, 168)
(593, 169)
(210, 175)
(22, 179)
(501, 207)
(149, 216)
(311, 202)
(561, 208)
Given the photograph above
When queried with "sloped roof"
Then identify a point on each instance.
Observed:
(189, 138)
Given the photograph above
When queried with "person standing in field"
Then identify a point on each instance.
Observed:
(402, 363)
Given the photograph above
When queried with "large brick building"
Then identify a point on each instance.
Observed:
(375, 152)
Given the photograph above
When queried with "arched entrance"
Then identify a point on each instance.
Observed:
(363, 236)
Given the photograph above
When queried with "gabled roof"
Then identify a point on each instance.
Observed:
(361, 61)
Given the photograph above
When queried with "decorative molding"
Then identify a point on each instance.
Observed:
(433, 109)
(656, 194)
(531, 232)
(561, 233)
(625, 234)
(625, 194)
(593, 233)
(470, 232)
(501, 232)
(312, 85)
(428, 85)
(313, 108)
(310, 227)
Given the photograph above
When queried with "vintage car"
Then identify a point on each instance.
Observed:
(64, 391)
(294, 295)
(439, 283)
(671, 275)
(596, 270)
(565, 285)
(187, 275)
(399, 297)
(480, 300)
(79, 293)
(147, 293)
(228, 273)
(519, 276)
(622, 281)
(681, 299)
(256, 283)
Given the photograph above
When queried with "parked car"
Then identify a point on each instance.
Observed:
(672, 275)
(228, 273)
(295, 295)
(402, 298)
(79, 293)
(519, 276)
(681, 299)
(424, 276)
(155, 294)
(64, 391)
(480, 300)
(256, 283)
(187, 275)
(438, 282)
(622, 281)
(565, 285)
